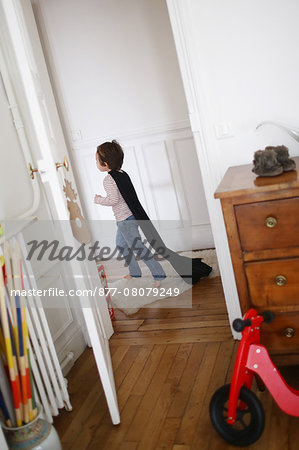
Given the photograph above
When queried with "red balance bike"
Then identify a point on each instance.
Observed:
(236, 412)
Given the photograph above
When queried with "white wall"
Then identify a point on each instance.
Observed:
(116, 75)
(114, 64)
(239, 63)
(248, 62)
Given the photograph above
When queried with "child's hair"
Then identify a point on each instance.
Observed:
(111, 153)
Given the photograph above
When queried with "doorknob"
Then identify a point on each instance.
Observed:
(65, 164)
(32, 171)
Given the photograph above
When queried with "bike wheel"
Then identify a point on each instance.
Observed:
(249, 423)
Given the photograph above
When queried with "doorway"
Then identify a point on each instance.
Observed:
(115, 74)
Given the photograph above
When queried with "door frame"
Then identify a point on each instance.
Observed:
(203, 138)
(20, 45)
(15, 14)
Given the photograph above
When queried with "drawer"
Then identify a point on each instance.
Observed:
(259, 232)
(282, 335)
(273, 282)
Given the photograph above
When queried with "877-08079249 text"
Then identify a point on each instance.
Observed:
(140, 292)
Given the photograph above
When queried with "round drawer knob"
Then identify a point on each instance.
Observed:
(271, 222)
(280, 280)
(289, 332)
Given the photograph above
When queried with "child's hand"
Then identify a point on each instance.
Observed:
(96, 198)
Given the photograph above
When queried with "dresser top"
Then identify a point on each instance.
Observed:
(240, 180)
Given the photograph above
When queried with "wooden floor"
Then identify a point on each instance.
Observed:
(167, 365)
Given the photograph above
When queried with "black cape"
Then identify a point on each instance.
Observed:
(190, 269)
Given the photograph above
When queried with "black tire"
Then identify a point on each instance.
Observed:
(249, 422)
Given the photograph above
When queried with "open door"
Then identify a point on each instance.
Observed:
(51, 165)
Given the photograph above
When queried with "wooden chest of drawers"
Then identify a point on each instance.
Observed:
(262, 223)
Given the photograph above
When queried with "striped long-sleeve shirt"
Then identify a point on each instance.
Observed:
(114, 198)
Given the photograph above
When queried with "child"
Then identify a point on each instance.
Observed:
(109, 156)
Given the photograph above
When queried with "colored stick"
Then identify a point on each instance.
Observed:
(21, 360)
(14, 354)
(26, 340)
(10, 314)
(24, 329)
(10, 286)
(2, 350)
(9, 355)
(13, 321)
(6, 392)
(5, 411)
(21, 354)
(34, 406)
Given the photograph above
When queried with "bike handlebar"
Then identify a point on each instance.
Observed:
(268, 316)
(240, 324)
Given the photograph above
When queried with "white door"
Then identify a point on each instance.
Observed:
(50, 153)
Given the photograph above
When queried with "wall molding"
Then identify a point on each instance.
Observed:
(133, 135)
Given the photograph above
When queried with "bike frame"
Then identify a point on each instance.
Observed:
(254, 358)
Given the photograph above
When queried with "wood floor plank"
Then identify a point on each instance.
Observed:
(152, 394)
(183, 393)
(232, 362)
(92, 400)
(167, 434)
(184, 325)
(152, 313)
(149, 369)
(178, 319)
(155, 423)
(127, 325)
(181, 447)
(88, 432)
(267, 402)
(132, 376)
(98, 441)
(293, 433)
(180, 399)
(124, 366)
(117, 433)
(81, 434)
(279, 429)
(204, 432)
(79, 390)
(203, 307)
(118, 354)
(196, 310)
(172, 336)
(128, 446)
(188, 425)
(80, 428)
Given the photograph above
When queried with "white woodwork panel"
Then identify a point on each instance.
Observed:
(178, 174)
(161, 184)
(191, 180)
(63, 320)
(39, 231)
(164, 169)
(59, 318)
(60, 312)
